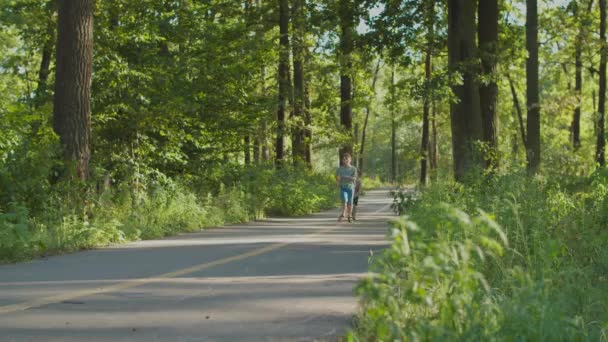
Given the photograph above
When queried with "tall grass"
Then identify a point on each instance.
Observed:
(511, 258)
(72, 216)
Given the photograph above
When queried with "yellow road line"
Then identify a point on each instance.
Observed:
(143, 281)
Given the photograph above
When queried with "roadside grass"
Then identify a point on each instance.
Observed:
(510, 258)
(68, 217)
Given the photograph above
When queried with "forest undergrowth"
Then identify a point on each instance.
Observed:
(45, 216)
(512, 258)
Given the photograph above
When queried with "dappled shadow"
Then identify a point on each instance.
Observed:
(288, 306)
(295, 279)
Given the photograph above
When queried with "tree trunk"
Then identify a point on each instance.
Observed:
(256, 150)
(362, 146)
(517, 107)
(532, 97)
(74, 67)
(265, 144)
(433, 151)
(393, 130)
(595, 114)
(298, 37)
(47, 55)
(308, 125)
(578, 85)
(601, 140)
(424, 144)
(367, 112)
(264, 132)
(346, 49)
(283, 80)
(594, 106)
(247, 149)
(565, 68)
(465, 111)
(45, 65)
(355, 155)
(488, 90)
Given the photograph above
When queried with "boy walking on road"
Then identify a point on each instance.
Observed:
(346, 176)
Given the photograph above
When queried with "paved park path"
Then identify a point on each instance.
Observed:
(283, 279)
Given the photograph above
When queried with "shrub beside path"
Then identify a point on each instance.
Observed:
(278, 279)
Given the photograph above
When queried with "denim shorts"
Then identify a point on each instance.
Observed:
(346, 194)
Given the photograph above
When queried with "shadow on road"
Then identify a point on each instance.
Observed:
(295, 281)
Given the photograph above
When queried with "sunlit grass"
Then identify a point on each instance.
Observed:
(511, 258)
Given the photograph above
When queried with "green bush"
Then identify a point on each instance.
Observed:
(370, 183)
(509, 258)
(73, 216)
(14, 232)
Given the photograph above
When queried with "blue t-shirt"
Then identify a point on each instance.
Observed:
(347, 171)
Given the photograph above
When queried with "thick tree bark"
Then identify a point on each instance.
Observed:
(72, 103)
(601, 139)
(347, 33)
(366, 121)
(488, 90)
(424, 144)
(283, 80)
(299, 152)
(532, 97)
(465, 112)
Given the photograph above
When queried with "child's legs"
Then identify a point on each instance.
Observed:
(344, 198)
(349, 202)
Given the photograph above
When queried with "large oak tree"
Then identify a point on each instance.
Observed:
(74, 66)
(465, 110)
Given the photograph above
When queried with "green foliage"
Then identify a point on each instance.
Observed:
(178, 85)
(290, 193)
(370, 183)
(509, 258)
(14, 232)
(75, 217)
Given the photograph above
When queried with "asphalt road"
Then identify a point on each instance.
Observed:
(282, 279)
